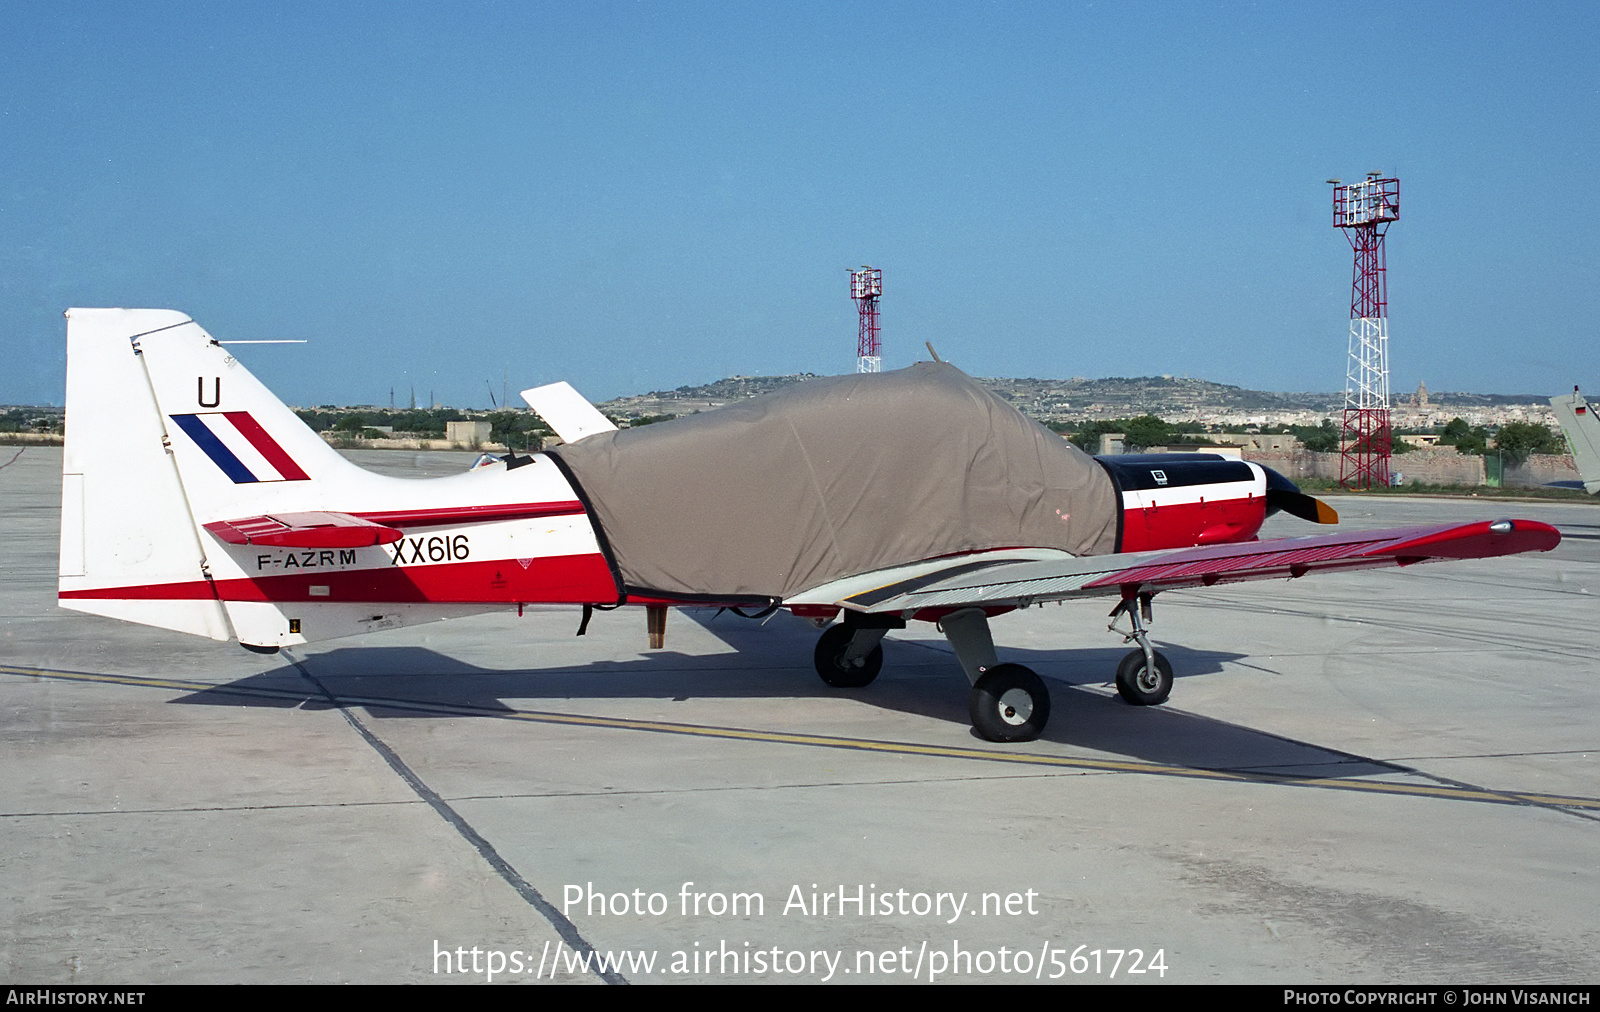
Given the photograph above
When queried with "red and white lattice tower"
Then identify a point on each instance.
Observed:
(866, 286)
(1364, 211)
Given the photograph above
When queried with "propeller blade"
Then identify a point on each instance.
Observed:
(1298, 504)
(1285, 495)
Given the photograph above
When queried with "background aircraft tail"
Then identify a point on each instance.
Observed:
(1578, 421)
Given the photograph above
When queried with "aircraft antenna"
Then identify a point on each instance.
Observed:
(1364, 210)
(866, 286)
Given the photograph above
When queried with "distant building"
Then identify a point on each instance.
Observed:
(468, 434)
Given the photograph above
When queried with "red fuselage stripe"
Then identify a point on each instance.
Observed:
(442, 515)
(559, 579)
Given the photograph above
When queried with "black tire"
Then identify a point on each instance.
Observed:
(1009, 703)
(1137, 686)
(831, 646)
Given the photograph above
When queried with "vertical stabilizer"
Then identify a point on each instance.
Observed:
(125, 522)
(1583, 435)
(239, 450)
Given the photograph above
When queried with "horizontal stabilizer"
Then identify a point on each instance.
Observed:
(565, 411)
(304, 530)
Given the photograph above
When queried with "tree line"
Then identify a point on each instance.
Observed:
(517, 429)
(1514, 442)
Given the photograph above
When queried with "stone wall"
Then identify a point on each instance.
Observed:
(1541, 469)
(1432, 467)
(1437, 466)
(1297, 464)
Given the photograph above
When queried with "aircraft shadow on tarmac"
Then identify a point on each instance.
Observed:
(919, 678)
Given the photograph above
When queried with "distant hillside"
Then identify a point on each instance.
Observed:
(1045, 399)
(689, 399)
(1481, 400)
(1167, 396)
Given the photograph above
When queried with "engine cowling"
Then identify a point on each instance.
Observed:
(1180, 500)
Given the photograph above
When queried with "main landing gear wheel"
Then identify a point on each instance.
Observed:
(1140, 686)
(1009, 703)
(829, 654)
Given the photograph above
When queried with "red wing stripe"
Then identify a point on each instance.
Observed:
(1237, 563)
(265, 445)
(1455, 541)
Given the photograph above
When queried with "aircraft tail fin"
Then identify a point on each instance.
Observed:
(166, 433)
(125, 521)
(1578, 421)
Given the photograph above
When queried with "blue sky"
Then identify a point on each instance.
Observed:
(634, 196)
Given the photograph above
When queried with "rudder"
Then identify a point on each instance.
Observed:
(126, 526)
(167, 432)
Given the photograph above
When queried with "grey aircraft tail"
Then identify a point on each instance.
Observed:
(1578, 420)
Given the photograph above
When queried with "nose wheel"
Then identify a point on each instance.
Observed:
(1144, 677)
(1139, 683)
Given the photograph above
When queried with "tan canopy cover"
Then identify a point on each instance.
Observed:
(835, 477)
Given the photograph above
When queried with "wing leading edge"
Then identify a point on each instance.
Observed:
(1020, 583)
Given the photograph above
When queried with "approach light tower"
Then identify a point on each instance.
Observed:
(866, 286)
(1364, 211)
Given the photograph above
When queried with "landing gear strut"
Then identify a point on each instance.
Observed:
(1144, 677)
(1008, 702)
(850, 655)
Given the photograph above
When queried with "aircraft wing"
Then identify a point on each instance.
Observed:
(1000, 583)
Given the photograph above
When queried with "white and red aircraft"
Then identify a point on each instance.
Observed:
(194, 500)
